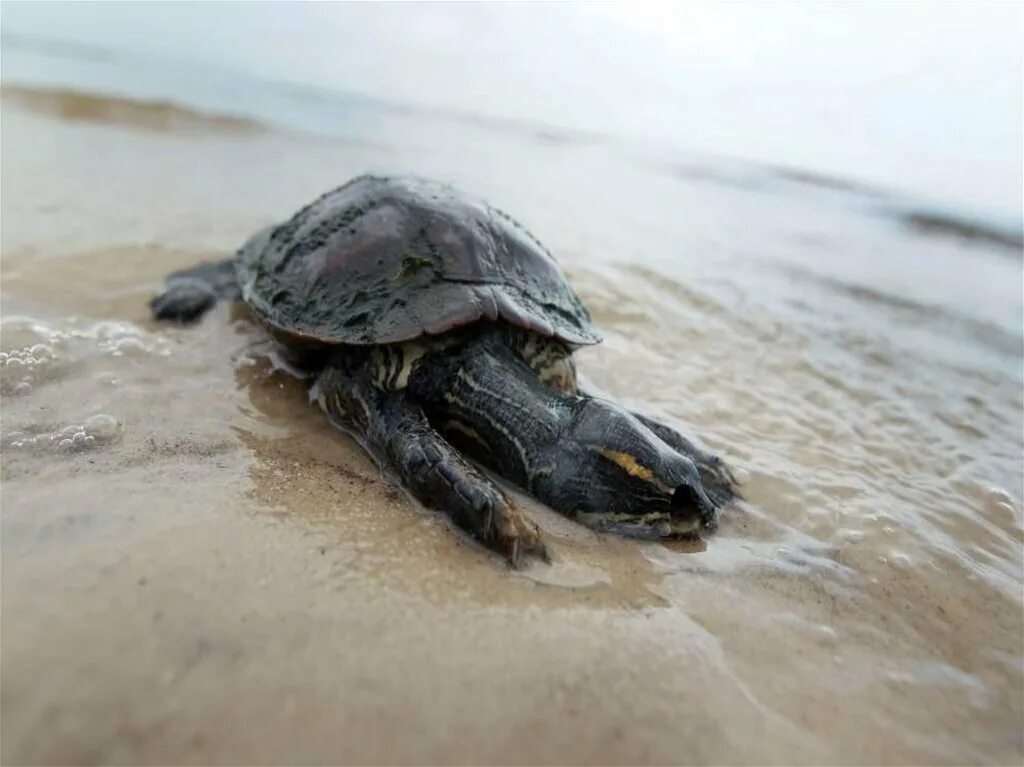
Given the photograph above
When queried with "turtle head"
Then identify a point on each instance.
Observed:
(617, 476)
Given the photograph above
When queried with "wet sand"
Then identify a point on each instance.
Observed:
(224, 578)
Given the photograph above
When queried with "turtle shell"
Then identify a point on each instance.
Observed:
(382, 260)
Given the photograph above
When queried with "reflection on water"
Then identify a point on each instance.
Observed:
(862, 604)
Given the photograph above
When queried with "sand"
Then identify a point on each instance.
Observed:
(224, 578)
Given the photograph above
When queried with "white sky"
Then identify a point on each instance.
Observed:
(922, 96)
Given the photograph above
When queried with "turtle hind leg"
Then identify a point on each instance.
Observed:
(396, 431)
(190, 293)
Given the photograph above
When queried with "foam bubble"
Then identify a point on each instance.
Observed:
(34, 352)
(96, 431)
(102, 427)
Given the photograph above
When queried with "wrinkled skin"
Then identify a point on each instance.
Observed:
(584, 457)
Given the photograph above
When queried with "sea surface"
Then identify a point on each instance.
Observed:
(197, 568)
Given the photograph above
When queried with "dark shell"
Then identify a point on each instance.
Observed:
(381, 260)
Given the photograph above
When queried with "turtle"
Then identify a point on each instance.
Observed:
(440, 334)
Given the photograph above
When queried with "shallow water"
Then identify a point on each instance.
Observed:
(217, 575)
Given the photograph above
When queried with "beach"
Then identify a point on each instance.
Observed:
(212, 573)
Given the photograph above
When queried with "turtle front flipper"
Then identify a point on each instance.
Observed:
(191, 293)
(397, 433)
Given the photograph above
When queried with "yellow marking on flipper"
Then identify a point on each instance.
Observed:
(633, 467)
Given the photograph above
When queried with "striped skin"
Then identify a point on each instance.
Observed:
(507, 398)
(586, 458)
(550, 359)
(394, 429)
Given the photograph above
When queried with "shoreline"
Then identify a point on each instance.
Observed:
(229, 579)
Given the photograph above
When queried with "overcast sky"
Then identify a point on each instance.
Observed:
(922, 96)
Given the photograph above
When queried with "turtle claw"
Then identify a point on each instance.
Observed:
(525, 550)
(513, 557)
(520, 555)
(517, 537)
